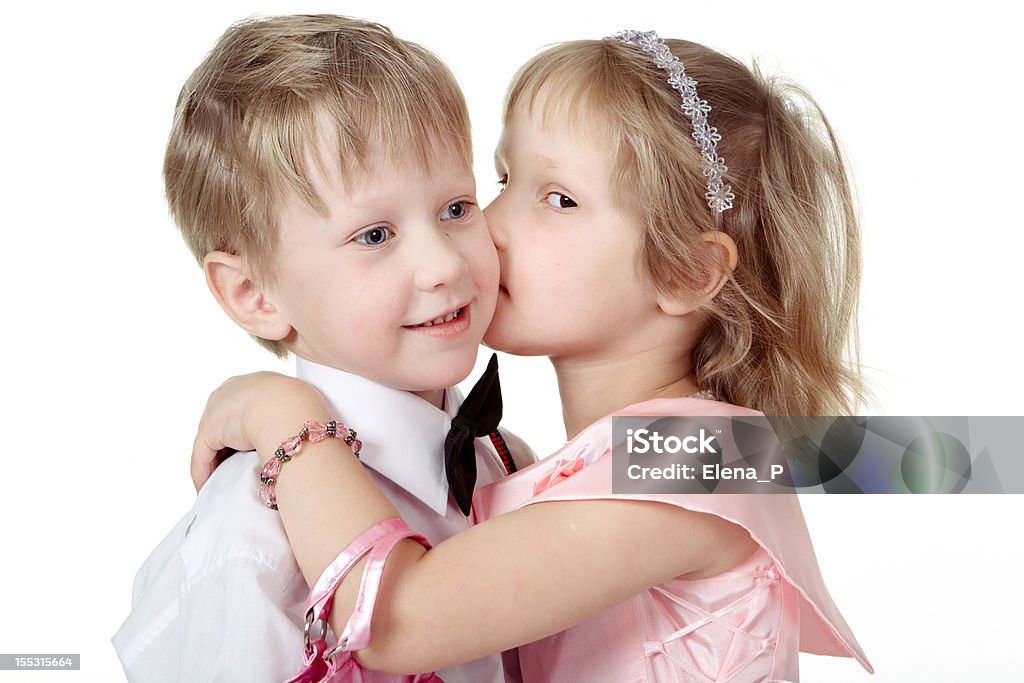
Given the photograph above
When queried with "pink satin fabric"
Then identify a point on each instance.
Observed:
(747, 624)
(376, 543)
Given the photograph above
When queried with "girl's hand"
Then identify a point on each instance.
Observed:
(251, 412)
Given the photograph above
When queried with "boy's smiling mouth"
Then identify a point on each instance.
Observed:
(456, 315)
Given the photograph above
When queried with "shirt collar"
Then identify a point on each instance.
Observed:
(403, 435)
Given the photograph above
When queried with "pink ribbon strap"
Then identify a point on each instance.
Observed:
(356, 635)
(379, 540)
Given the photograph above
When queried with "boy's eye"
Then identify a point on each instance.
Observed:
(457, 210)
(560, 201)
(374, 236)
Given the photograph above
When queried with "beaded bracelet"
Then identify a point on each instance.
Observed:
(312, 431)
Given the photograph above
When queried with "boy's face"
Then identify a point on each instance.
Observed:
(401, 248)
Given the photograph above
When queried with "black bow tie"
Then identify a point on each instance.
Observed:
(478, 415)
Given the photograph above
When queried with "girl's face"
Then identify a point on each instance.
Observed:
(570, 286)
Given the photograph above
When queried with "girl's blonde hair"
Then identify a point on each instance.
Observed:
(250, 117)
(778, 330)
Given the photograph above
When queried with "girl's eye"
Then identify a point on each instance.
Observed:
(457, 210)
(502, 183)
(560, 201)
(374, 237)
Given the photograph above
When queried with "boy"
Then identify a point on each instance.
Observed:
(320, 169)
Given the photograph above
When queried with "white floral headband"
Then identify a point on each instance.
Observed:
(719, 195)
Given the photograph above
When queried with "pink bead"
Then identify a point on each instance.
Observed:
(317, 431)
(267, 496)
(357, 446)
(291, 446)
(272, 468)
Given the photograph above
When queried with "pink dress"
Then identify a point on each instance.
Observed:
(747, 624)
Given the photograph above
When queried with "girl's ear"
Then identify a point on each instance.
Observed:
(726, 256)
(241, 298)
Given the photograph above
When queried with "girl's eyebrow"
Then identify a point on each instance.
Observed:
(547, 161)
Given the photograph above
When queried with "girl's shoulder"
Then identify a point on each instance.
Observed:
(700, 404)
(591, 450)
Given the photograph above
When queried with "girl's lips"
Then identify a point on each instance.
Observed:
(451, 328)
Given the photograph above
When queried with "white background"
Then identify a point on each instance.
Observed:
(111, 342)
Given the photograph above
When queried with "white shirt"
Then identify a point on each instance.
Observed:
(221, 597)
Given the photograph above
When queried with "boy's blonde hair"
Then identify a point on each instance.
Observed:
(778, 330)
(251, 116)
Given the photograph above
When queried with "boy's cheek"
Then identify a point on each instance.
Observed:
(483, 259)
(493, 279)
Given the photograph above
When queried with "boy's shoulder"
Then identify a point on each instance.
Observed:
(226, 562)
(229, 522)
(227, 525)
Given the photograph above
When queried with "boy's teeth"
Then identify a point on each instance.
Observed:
(443, 319)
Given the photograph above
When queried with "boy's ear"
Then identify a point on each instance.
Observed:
(687, 301)
(241, 298)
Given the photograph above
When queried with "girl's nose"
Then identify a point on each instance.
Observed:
(440, 263)
(495, 216)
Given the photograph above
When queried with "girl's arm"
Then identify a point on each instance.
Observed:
(511, 580)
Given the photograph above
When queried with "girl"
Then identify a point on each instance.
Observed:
(659, 282)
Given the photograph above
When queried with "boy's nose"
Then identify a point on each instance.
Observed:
(439, 263)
